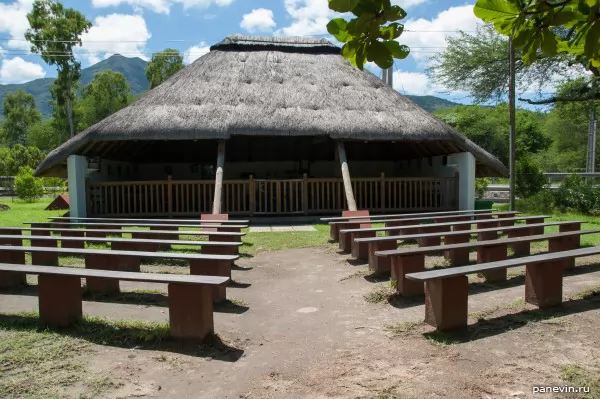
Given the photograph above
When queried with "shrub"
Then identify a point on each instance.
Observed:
(530, 179)
(27, 187)
(481, 186)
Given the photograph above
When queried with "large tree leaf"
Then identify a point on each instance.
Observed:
(495, 10)
(380, 54)
(397, 50)
(391, 31)
(338, 28)
(343, 5)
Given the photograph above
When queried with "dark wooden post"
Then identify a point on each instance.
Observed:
(170, 196)
(252, 194)
(382, 191)
(305, 194)
(219, 178)
(341, 150)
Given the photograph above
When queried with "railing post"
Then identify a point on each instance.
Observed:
(170, 196)
(456, 191)
(252, 193)
(382, 191)
(305, 194)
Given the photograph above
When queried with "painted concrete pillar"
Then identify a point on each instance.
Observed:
(76, 167)
(464, 164)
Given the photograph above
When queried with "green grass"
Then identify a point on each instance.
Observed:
(21, 212)
(578, 376)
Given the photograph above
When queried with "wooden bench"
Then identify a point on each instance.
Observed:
(126, 244)
(361, 223)
(360, 250)
(60, 299)
(148, 234)
(381, 264)
(234, 228)
(446, 290)
(101, 259)
(163, 221)
(411, 260)
(334, 228)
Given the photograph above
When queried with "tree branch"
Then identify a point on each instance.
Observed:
(559, 99)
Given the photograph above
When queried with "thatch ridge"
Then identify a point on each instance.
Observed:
(232, 91)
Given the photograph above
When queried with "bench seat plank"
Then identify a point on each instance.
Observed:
(505, 264)
(123, 276)
(127, 224)
(125, 240)
(337, 218)
(119, 231)
(166, 221)
(368, 219)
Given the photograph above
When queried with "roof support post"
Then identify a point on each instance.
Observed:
(341, 151)
(216, 210)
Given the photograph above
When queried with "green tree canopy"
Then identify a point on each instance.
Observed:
(43, 136)
(478, 63)
(20, 113)
(488, 127)
(11, 159)
(54, 33)
(105, 95)
(163, 65)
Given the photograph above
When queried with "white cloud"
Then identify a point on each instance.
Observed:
(414, 83)
(309, 17)
(428, 36)
(193, 53)
(115, 34)
(260, 19)
(17, 70)
(13, 20)
(161, 6)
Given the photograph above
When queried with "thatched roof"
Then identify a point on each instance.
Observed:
(270, 86)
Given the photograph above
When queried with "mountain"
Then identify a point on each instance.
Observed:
(134, 70)
(432, 103)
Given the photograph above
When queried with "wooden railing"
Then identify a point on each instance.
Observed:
(264, 197)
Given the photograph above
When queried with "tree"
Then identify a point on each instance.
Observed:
(43, 136)
(105, 95)
(478, 63)
(54, 32)
(20, 114)
(27, 187)
(489, 128)
(163, 65)
(11, 159)
(545, 28)
(371, 36)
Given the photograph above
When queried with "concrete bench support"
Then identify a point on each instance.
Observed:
(401, 266)
(381, 264)
(44, 258)
(190, 311)
(459, 256)
(543, 283)
(360, 250)
(12, 279)
(446, 302)
(492, 254)
(59, 300)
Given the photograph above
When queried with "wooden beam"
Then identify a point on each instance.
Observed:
(341, 151)
(219, 178)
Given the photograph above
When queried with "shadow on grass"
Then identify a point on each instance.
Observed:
(355, 262)
(484, 328)
(377, 278)
(157, 299)
(127, 334)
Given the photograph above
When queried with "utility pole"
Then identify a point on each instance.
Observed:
(387, 75)
(511, 112)
(591, 146)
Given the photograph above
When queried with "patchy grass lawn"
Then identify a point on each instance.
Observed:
(21, 212)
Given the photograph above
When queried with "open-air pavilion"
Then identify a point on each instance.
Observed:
(274, 123)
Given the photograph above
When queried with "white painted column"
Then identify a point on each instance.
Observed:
(464, 164)
(76, 167)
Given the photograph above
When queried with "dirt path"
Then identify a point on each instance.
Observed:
(307, 332)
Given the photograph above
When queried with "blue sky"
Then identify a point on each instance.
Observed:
(141, 27)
